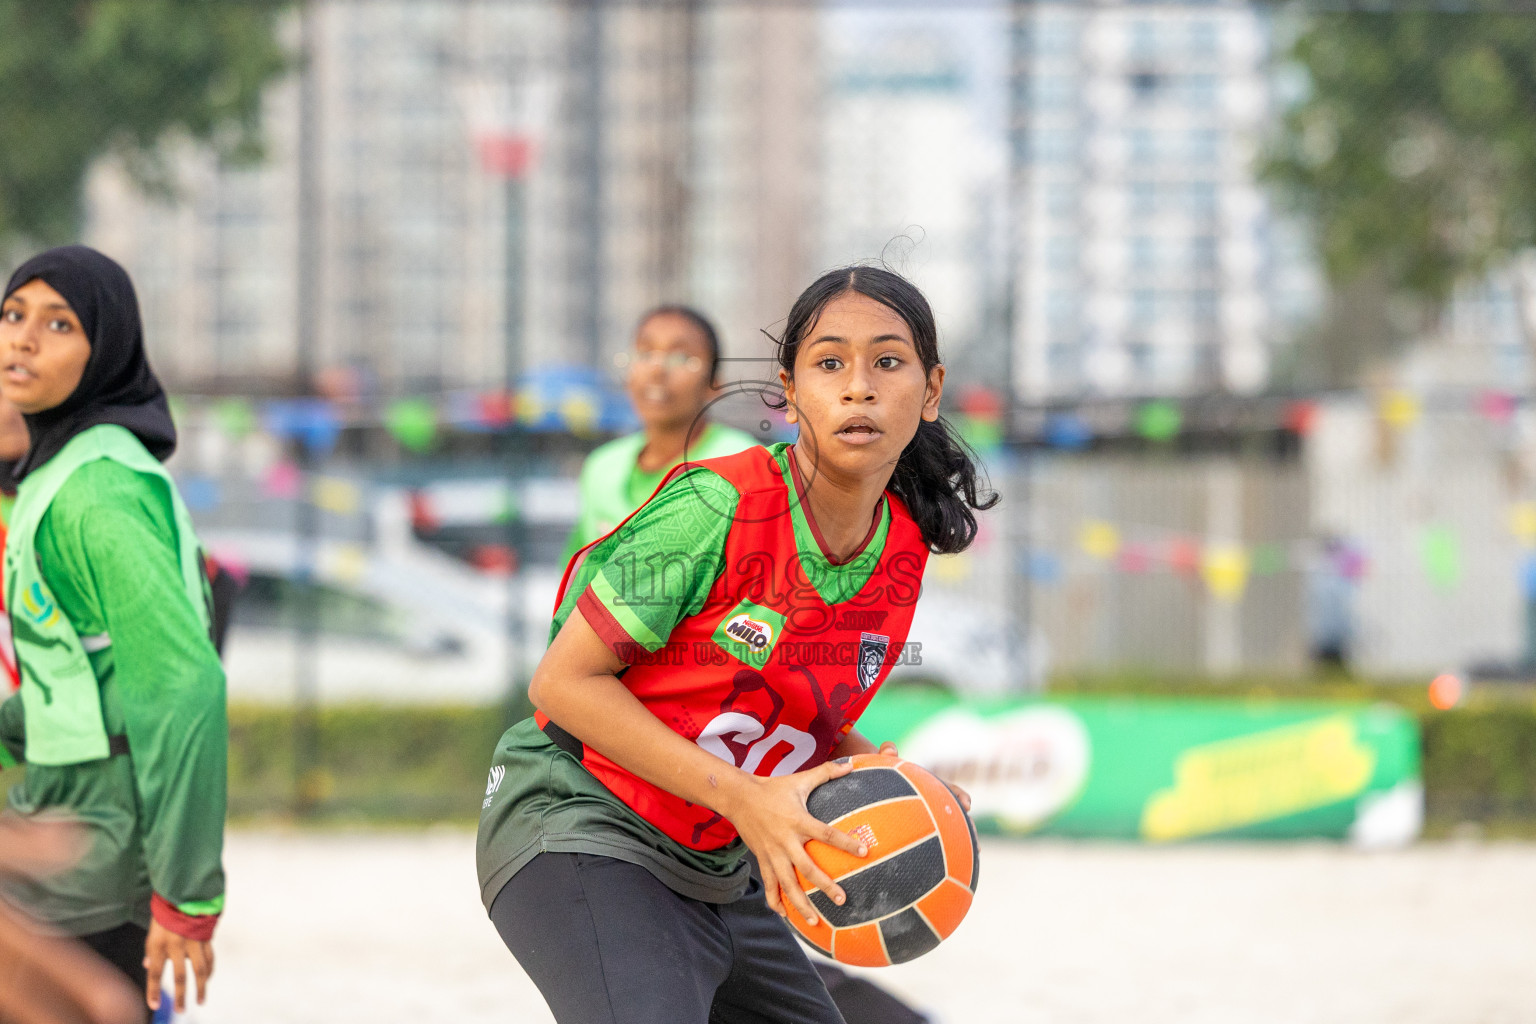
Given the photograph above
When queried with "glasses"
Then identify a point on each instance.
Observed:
(666, 360)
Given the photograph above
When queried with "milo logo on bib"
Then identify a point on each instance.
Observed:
(751, 631)
(748, 633)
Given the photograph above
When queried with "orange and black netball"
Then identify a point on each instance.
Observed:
(916, 884)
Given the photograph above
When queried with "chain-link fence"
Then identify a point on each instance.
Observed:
(1230, 295)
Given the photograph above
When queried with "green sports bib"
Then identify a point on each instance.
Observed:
(59, 689)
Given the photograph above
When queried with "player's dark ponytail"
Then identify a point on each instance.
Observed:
(936, 475)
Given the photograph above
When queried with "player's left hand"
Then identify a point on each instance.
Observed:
(165, 945)
(889, 749)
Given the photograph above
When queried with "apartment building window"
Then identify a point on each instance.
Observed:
(1060, 307)
(1143, 39)
(1143, 198)
(1145, 85)
(1200, 92)
(1202, 253)
(1200, 198)
(1061, 199)
(1204, 38)
(1142, 145)
(1050, 147)
(1050, 92)
(1061, 253)
(1142, 359)
(1144, 306)
(1143, 254)
(1056, 36)
(1205, 305)
(1064, 361)
(1203, 146)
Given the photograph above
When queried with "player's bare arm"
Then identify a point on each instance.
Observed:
(577, 686)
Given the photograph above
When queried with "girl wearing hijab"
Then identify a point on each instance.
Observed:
(121, 714)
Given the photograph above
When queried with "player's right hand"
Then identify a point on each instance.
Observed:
(164, 946)
(772, 819)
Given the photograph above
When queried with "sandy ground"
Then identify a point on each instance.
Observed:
(387, 927)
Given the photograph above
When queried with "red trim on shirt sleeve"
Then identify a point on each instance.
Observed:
(197, 927)
(607, 627)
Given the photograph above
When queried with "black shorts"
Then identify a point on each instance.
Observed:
(123, 948)
(608, 943)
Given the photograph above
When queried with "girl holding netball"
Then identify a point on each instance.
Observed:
(681, 724)
(121, 717)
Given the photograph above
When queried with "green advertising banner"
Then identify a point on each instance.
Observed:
(1166, 770)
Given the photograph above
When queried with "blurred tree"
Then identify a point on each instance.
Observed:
(1413, 152)
(80, 79)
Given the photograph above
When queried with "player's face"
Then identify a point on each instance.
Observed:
(859, 389)
(43, 350)
(669, 372)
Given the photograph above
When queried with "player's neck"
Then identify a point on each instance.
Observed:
(842, 510)
(666, 444)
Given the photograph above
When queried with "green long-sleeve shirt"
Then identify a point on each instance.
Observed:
(107, 547)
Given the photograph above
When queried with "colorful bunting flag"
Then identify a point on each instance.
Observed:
(1043, 567)
(1522, 523)
(984, 435)
(1399, 410)
(282, 480)
(496, 409)
(579, 413)
(1184, 556)
(1300, 417)
(1267, 559)
(333, 494)
(952, 568)
(313, 422)
(1224, 567)
(346, 564)
(1496, 406)
(1134, 559)
(1159, 420)
(1528, 578)
(1440, 549)
(235, 417)
(1099, 539)
(413, 423)
(200, 493)
(1068, 431)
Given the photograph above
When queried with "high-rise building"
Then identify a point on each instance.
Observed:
(495, 182)
(914, 165)
(1150, 260)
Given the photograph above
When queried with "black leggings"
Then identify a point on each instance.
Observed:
(607, 943)
(123, 948)
(861, 1001)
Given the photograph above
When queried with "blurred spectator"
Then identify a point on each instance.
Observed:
(1330, 605)
(671, 379)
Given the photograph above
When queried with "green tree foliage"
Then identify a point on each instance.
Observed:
(80, 79)
(1413, 150)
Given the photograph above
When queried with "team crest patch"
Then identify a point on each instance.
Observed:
(872, 649)
(749, 632)
(39, 607)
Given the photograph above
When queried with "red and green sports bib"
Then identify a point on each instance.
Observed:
(768, 675)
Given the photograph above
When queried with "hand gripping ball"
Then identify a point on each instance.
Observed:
(912, 890)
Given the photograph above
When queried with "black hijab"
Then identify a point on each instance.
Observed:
(117, 386)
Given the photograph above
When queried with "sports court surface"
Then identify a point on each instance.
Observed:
(386, 927)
